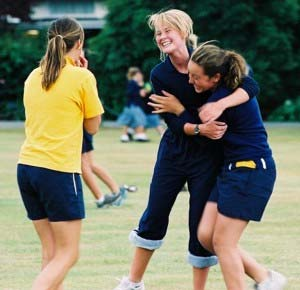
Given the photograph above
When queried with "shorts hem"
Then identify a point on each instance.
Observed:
(238, 215)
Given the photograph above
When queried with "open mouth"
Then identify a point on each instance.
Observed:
(165, 44)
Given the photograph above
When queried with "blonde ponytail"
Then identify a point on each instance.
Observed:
(63, 34)
(53, 61)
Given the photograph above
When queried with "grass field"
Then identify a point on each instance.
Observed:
(105, 250)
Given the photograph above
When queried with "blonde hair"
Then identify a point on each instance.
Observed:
(62, 34)
(177, 19)
(230, 65)
(132, 71)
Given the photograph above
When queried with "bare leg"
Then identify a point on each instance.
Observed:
(139, 129)
(66, 236)
(226, 236)
(125, 130)
(102, 174)
(199, 278)
(205, 233)
(253, 269)
(89, 177)
(46, 236)
(139, 264)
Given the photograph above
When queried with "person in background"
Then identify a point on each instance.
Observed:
(90, 169)
(133, 115)
(60, 99)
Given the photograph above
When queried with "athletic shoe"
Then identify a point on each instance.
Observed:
(123, 195)
(275, 281)
(126, 284)
(130, 133)
(108, 200)
(130, 188)
(124, 138)
(140, 137)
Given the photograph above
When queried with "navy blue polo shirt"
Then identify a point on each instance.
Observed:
(246, 137)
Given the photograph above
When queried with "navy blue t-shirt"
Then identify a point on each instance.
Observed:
(246, 137)
(133, 94)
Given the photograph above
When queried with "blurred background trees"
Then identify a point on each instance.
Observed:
(265, 32)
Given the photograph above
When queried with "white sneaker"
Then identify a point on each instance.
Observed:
(124, 138)
(275, 281)
(140, 137)
(126, 284)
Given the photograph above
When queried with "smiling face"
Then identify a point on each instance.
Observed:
(168, 39)
(200, 80)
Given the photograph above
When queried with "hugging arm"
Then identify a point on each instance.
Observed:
(175, 112)
(217, 105)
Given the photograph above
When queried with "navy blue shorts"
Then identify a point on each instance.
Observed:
(50, 194)
(87, 142)
(243, 192)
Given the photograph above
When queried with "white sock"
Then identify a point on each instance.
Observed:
(101, 199)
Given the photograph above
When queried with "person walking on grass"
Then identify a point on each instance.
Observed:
(60, 99)
(90, 169)
(181, 158)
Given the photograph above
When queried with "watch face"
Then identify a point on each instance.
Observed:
(196, 130)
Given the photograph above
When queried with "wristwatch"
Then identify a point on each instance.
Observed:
(196, 130)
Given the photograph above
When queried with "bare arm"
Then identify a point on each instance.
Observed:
(212, 111)
(91, 125)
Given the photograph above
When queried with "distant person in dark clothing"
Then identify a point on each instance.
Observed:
(133, 115)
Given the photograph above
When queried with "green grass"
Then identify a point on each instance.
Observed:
(105, 250)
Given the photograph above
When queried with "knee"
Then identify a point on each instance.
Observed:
(73, 257)
(68, 257)
(47, 256)
(205, 238)
(219, 244)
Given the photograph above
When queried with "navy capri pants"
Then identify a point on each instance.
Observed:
(176, 165)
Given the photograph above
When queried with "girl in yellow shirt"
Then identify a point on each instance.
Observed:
(60, 99)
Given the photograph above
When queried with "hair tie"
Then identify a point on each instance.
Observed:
(60, 36)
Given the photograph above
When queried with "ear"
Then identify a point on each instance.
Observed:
(79, 44)
(216, 78)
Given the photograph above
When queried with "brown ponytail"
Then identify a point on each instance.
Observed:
(63, 33)
(229, 64)
(236, 69)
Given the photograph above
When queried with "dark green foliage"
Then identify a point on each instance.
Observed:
(289, 111)
(263, 31)
(19, 55)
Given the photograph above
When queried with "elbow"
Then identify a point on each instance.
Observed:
(92, 131)
(92, 125)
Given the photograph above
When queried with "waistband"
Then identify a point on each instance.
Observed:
(257, 163)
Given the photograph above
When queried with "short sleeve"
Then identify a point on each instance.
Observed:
(92, 105)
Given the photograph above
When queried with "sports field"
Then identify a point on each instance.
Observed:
(105, 250)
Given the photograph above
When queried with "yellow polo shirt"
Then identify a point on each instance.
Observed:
(54, 118)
